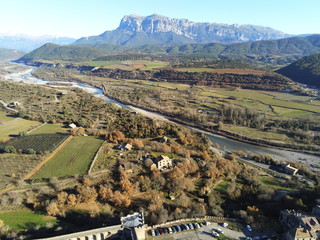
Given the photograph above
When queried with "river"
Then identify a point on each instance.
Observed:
(226, 144)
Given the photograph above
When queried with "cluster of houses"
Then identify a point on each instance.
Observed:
(299, 225)
(160, 162)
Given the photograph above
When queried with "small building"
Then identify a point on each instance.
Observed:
(126, 147)
(72, 125)
(163, 139)
(13, 104)
(290, 170)
(163, 162)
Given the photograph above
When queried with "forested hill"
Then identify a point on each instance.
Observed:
(306, 70)
(10, 54)
(282, 51)
(51, 51)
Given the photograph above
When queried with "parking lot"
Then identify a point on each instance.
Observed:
(203, 233)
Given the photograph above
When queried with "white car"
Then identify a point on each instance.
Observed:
(215, 234)
(249, 228)
(225, 224)
(207, 223)
(219, 230)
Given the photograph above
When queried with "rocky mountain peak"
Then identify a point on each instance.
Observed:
(135, 30)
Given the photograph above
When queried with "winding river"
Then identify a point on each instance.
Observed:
(226, 144)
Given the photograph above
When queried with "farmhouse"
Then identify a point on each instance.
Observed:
(126, 147)
(13, 104)
(163, 139)
(163, 162)
(72, 125)
(290, 170)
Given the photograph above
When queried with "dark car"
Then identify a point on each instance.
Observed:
(157, 232)
(166, 230)
(179, 228)
(161, 231)
(174, 229)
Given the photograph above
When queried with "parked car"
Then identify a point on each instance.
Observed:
(219, 230)
(174, 230)
(153, 233)
(197, 226)
(224, 224)
(161, 231)
(183, 227)
(215, 234)
(186, 226)
(179, 228)
(201, 224)
(166, 230)
(190, 226)
(157, 232)
(249, 228)
(170, 230)
(207, 223)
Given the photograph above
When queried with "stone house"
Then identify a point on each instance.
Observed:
(163, 162)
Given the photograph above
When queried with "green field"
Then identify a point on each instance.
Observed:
(50, 128)
(5, 117)
(271, 100)
(23, 220)
(9, 129)
(223, 186)
(256, 133)
(74, 158)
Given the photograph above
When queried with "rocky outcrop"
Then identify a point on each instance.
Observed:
(156, 29)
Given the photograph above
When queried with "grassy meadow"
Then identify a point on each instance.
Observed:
(73, 158)
(23, 219)
(10, 129)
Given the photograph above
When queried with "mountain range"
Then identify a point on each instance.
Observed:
(155, 29)
(284, 51)
(29, 43)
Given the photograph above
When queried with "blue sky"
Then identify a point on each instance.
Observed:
(77, 18)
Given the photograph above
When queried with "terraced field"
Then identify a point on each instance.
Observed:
(16, 166)
(73, 158)
(39, 143)
(13, 128)
(50, 128)
(5, 117)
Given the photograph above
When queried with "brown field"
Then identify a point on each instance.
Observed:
(224, 70)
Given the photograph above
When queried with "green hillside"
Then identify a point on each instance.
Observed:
(306, 70)
(274, 52)
(51, 51)
(10, 54)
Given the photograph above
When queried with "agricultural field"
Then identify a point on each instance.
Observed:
(271, 100)
(16, 166)
(13, 128)
(39, 143)
(23, 219)
(73, 158)
(256, 133)
(5, 117)
(50, 128)
(130, 64)
(223, 70)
